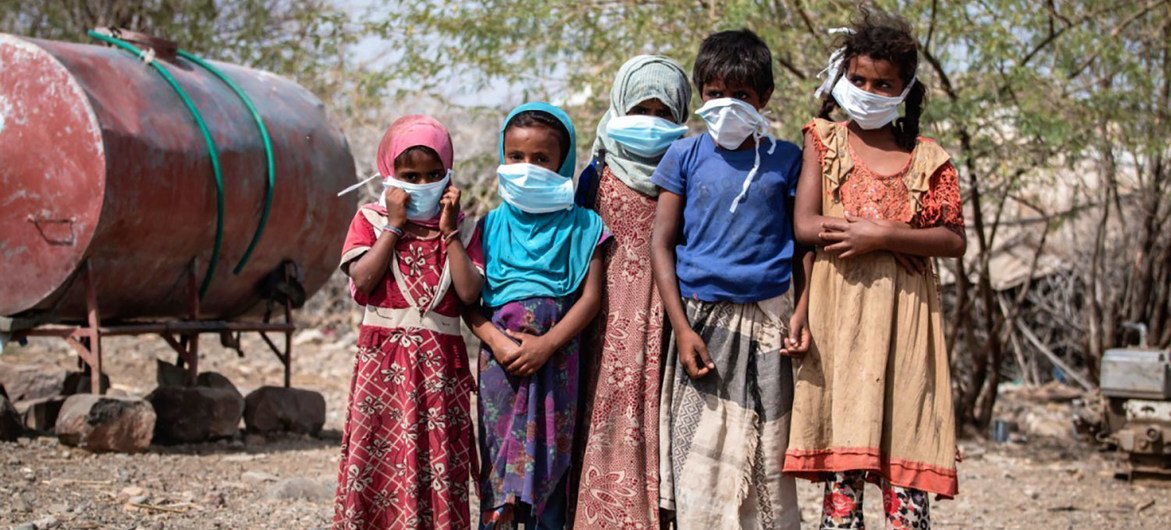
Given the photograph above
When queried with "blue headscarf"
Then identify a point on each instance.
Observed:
(538, 255)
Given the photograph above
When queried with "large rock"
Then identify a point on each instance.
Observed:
(82, 383)
(196, 413)
(274, 409)
(10, 424)
(106, 424)
(41, 414)
(32, 381)
(168, 374)
(216, 380)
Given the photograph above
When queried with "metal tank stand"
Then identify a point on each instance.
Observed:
(181, 335)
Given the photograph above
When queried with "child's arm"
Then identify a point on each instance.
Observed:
(798, 341)
(464, 278)
(503, 348)
(807, 218)
(853, 237)
(369, 269)
(535, 350)
(692, 351)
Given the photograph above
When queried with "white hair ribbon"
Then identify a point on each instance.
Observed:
(830, 72)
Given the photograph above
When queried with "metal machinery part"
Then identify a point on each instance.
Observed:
(1136, 416)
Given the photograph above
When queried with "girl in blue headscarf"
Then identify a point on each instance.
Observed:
(543, 286)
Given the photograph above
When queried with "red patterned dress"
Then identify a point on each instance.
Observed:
(619, 484)
(408, 445)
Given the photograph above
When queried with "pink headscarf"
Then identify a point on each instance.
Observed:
(410, 131)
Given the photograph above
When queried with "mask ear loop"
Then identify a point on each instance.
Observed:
(756, 136)
(358, 185)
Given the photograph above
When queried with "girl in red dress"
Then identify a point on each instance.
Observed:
(407, 448)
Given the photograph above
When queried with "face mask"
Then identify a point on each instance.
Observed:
(534, 189)
(731, 121)
(645, 136)
(870, 111)
(424, 203)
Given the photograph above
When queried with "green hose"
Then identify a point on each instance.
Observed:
(267, 152)
(211, 149)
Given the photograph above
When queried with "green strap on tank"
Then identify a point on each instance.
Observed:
(267, 152)
(211, 148)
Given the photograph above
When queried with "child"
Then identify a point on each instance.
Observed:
(619, 485)
(407, 447)
(722, 253)
(544, 282)
(873, 398)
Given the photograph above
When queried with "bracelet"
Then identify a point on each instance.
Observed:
(447, 238)
(393, 229)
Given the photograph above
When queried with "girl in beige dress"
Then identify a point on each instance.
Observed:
(877, 201)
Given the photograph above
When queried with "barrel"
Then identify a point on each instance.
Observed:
(102, 166)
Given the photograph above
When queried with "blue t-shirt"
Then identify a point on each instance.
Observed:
(737, 257)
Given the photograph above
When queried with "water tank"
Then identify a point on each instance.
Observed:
(101, 161)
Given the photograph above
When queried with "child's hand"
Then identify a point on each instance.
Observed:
(449, 210)
(505, 350)
(693, 354)
(797, 343)
(853, 236)
(396, 206)
(533, 353)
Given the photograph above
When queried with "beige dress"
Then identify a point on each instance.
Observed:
(874, 391)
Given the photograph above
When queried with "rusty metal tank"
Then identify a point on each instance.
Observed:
(101, 161)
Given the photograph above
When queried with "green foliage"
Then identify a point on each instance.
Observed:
(301, 39)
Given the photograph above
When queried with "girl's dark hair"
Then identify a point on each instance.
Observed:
(737, 57)
(537, 118)
(885, 37)
(413, 151)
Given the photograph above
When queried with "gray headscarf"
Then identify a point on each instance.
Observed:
(641, 78)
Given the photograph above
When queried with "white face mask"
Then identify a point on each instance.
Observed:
(730, 121)
(645, 136)
(534, 189)
(424, 203)
(867, 109)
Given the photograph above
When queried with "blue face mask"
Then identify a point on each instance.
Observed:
(424, 203)
(645, 136)
(534, 189)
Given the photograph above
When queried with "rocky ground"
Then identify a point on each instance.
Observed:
(1043, 479)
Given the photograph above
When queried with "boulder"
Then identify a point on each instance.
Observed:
(168, 374)
(216, 380)
(82, 383)
(10, 425)
(40, 414)
(32, 381)
(106, 424)
(195, 413)
(274, 409)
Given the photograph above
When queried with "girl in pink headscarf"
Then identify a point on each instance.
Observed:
(407, 449)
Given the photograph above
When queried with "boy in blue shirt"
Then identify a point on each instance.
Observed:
(723, 256)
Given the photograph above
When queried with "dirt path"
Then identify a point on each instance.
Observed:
(287, 483)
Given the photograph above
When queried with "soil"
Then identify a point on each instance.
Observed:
(1033, 482)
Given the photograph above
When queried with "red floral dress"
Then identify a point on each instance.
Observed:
(407, 449)
(619, 484)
